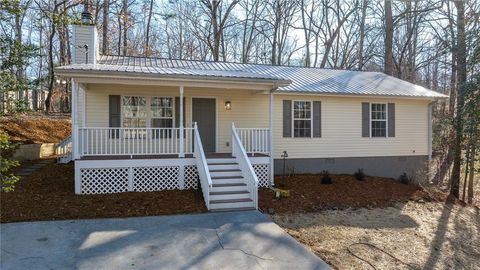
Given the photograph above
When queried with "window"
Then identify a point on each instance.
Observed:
(302, 119)
(162, 112)
(134, 112)
(378, 120)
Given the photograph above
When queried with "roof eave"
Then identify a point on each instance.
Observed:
(293, 92)
(75, 73)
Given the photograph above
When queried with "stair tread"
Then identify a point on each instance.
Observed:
(229, 185)
(226, 170)
(227, 177)
(232, 209)
(222, 163)
(230, 201)
(228, 192)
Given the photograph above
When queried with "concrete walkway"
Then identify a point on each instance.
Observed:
(240, 240)
(35, 166)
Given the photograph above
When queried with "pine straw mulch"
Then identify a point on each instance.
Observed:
(28, 128)
(307, 194)
(48, 194)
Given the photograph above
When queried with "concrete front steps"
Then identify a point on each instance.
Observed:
(229, 190)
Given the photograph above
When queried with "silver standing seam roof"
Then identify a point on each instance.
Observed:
(292, 79)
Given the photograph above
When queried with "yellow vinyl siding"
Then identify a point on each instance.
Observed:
(342, 130)
(341, 120)
(249, 108)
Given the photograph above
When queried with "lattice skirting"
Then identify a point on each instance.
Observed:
(148, 178)
(262, 172)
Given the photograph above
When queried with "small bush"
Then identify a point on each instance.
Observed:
(326, 179)
(404, 179)
(359, 175)
(7, 181)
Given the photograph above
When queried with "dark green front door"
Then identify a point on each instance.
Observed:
(203, 112)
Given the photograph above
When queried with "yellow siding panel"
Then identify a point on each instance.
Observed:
(341, 120)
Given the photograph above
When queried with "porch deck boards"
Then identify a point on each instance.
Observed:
(208, 155)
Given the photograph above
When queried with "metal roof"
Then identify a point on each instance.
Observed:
(292, 79)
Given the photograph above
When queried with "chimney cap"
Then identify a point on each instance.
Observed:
(86, 15)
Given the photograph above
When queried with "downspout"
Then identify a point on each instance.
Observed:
(270, 126)
(430, 137)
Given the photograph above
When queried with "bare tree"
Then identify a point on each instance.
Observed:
(106, 11)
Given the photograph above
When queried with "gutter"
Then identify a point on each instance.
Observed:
(326, 94)
(164, 77)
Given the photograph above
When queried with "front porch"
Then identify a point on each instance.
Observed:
(130, 136)
(146, 162)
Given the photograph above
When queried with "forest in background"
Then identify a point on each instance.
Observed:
(433, 43)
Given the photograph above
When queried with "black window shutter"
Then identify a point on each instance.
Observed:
(114, 111)
(391, 119)
(317, 119)
(287, 118)
(365, 119)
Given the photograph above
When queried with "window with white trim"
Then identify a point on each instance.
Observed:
(162, 112)
(134, 111)
(378, 120)
(302, 119)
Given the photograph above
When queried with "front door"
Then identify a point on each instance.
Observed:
(203, 112)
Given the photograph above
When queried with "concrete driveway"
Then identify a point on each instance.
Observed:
(240, 240)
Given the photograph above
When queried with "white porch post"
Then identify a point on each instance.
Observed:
(270, 126)
(75, 150)
(182, 141)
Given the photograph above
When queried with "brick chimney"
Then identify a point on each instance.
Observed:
(85, 39)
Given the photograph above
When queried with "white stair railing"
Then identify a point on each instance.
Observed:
(202, 166)
(255, 140)
(238, 151)
(63, 150)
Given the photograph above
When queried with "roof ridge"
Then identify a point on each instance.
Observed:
(231, 62)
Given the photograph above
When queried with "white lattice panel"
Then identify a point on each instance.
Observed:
(155, 178)
(262, 174)
(191, 177)
(103, 180)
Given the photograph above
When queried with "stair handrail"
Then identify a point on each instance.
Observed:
(64, 147)
(202, 166)
(238, 151)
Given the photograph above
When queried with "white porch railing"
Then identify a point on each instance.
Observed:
(238, 151)
(134, 141)
(255, 140)
(202, 167)
(64, 150)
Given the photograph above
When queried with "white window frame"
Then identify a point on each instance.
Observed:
(149, 110)
(293, 118)
(122, 110)
(371, 120)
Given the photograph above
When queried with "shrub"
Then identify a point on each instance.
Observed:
(7, 181)
(359, 175)
(326, 179)
(404, 179)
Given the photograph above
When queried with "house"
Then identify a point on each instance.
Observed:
(148, 124)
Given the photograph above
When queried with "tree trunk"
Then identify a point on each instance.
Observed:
(51, 72)
(471, 173)
(125, 28)
(147, 31)
(388, 59)
(461, 79)
(361, 61)
(106, 9)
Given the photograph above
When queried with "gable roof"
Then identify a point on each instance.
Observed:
(290, 79)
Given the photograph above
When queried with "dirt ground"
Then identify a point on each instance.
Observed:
(48, 194)
(30, 128)
(411, 235)
(307, 194)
